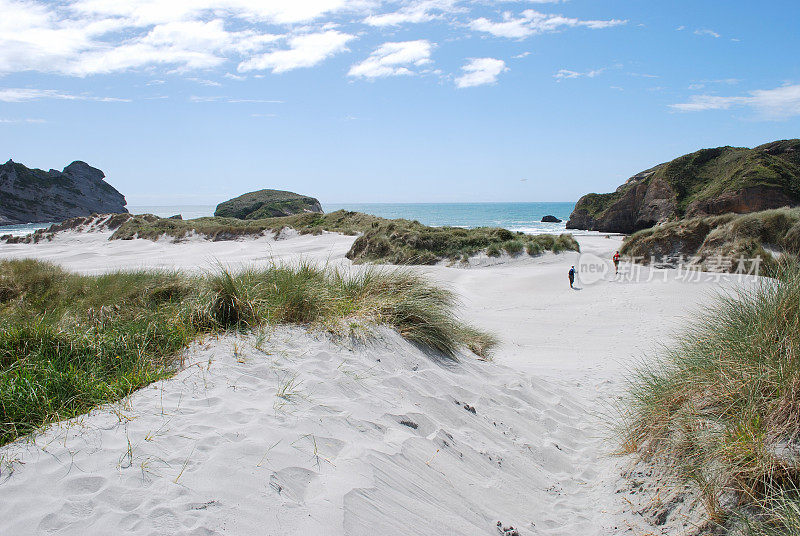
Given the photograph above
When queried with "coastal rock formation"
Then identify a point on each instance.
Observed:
(267, 204)
(707, 182)
(34, 195)
(550, 219)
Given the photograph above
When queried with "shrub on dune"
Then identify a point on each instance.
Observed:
(722, 409)
(70, 342)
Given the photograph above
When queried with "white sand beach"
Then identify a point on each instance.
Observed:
(302, 434)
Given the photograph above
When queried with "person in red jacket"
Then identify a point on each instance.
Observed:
(616, 263)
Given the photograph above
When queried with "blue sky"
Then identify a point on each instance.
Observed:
(192, 102)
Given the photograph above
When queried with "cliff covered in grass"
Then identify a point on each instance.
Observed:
(704, 183)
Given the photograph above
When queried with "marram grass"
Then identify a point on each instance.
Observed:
(70, 342)
(722, 408)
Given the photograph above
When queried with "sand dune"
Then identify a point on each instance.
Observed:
(307, 435)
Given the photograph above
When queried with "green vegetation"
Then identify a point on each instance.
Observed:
(216, 228)
(382, 241)
(596, 204)
(707, 174)
(407, 242)
(70, 342)
(730, 235)
(722, 408)
(267, 204)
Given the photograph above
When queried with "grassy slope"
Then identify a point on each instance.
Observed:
(152, 227)
(264, 204)
(404, 242)
(69, 342)
(383, 241)
(707, 173)
(729, 235)
(722, 408)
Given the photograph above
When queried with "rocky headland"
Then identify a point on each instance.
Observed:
(704, 183)
(35, 196)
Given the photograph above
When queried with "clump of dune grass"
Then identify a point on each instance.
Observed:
(70, 342)
(732, 236)
(722, 408)
(407, 242)
(382, 241)
(221, 228)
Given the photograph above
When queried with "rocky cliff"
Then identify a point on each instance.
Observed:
(267, 204)
(34, 195)
(703, 183)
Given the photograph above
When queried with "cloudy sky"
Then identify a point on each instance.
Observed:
(193, 101)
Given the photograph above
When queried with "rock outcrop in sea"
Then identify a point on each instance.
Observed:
(267, 204)
(704, 183)
(35, 196)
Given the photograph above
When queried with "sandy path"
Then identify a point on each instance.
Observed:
(215, 450)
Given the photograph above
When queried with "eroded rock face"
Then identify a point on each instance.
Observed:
(705, 183)
(35, 196)
(638, 204)
(752, 199)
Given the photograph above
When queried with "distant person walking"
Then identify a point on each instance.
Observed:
(571, 277)
(616, 263)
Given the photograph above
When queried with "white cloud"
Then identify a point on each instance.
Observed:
(564, 74)
(779, 103)
(531, 22)
(710, 33)
(480, 71)
(393, 59)
(695, 86)
(147, 12)
(305, 50)
(85, 37)
(92, 37)
(26, 94)
(218, 98)
(204, 82)
(415, 12)
(30, 121)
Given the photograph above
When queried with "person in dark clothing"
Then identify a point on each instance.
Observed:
(571, 276)
(616, 263)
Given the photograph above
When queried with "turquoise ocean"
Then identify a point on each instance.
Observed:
(525, 217)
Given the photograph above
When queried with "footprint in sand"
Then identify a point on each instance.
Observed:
(291, 483)
(85, 484)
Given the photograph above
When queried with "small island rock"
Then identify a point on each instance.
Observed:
(550, 219)
(267, 204)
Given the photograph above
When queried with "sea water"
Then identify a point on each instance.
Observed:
(525, 217)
